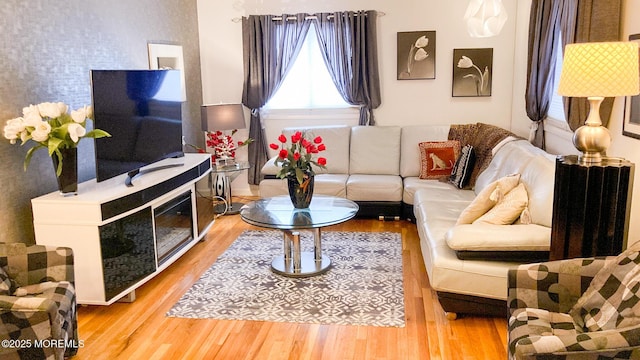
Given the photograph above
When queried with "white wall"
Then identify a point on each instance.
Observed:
(404, 102)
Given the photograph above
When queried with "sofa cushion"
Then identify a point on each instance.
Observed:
(374, 188)
(411, 136)
(487, 198)
(612, 300)
(537, 170)
(461, 172)
(508, 209)
(446, 272)
(492, 237)
(435, 189)
(437, 158)
(375, 150)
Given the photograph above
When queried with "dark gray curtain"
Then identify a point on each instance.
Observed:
(269, 49)
(590, 21)
(544, 31)
(349, 47)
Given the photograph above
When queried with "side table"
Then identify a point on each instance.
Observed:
(591, 206)
(222, 176)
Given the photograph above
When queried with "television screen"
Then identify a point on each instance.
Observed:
(142, 110)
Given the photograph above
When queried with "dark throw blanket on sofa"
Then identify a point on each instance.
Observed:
(483, 138)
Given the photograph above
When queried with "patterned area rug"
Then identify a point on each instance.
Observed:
(362, 287)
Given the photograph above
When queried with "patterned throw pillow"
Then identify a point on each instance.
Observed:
(487, 198)
(463, 168)
(5, 283)
(612, 300)
(437, 158)
(508, 209)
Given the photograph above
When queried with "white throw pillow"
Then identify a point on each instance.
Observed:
(488, 198)
(508, 209)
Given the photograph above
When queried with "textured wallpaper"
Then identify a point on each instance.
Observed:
(47, 49)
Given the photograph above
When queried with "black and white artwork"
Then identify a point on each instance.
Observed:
(472, 72)
(416, 56)
(631, 125)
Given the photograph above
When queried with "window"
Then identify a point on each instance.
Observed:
(308, 84)
(556, 107)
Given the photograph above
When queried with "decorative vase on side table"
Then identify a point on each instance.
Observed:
(68, 177)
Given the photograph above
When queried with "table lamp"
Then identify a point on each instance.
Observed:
(222, 117)
(595, 71)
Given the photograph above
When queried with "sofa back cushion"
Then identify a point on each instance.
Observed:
(410, 137)
(375, 150)
(537, 171)
(335, 138)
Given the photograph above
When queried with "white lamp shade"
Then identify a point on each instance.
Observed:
(485, 18)
(604, 69)
(222, 117)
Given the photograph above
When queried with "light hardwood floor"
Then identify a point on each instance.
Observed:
(140, 330)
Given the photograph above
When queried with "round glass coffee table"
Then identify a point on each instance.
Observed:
(278, 213)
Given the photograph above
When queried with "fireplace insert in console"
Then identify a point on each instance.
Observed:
(173, 226)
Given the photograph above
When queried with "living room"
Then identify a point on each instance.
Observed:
(49, 60)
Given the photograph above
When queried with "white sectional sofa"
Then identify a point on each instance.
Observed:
(363, 165)
(379, 167)
(468, 264)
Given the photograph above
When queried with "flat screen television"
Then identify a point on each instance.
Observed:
(142, 110)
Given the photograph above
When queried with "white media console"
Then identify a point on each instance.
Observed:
(123, 236)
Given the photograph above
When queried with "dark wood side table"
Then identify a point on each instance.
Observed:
(591, 205)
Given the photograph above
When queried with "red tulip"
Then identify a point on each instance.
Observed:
(283, 154)
(274, 146)
(296, 156)
(322, 161)
(282, 138)
(305, 143)
(296, 137)
(321, 147)
(317, 140)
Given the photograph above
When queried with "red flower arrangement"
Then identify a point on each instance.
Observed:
(296, 160)
(223, 144)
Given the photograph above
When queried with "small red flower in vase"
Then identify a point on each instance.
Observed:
(223, 144)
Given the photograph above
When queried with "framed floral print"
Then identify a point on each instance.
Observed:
(472, 72)
(416, 55)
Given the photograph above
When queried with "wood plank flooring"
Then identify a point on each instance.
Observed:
(140, 330)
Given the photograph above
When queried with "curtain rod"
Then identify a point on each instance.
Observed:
(278, 18)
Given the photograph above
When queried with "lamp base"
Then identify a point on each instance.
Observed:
(592, 139)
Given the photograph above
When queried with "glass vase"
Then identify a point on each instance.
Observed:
(68, 178)
(301, 194)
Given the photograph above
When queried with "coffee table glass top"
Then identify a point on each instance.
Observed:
(278, 212)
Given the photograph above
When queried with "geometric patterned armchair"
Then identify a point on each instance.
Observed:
(586, 308)
(38, 318)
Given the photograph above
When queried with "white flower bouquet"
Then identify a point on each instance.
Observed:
(51, 127)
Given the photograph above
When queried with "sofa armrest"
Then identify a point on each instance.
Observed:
(554, 285)
(607, 344)
(29, 265)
